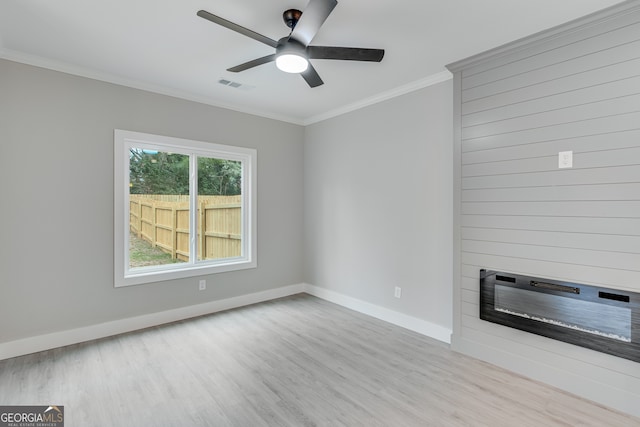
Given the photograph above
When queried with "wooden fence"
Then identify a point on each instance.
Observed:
(163, 221)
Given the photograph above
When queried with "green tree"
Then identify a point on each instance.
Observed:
(219, 177)
(158, 172)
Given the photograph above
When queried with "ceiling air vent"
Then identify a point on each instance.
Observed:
(236, 85)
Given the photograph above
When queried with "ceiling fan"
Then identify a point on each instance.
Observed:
(293, 51)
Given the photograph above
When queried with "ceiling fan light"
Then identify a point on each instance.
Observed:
(292, 63)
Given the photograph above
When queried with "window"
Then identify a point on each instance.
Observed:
(182, 208)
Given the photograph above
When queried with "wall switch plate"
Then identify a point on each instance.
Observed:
(398, 292)
(565, 159)
(202, 285)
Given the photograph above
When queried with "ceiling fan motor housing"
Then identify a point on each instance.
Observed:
(291, 46)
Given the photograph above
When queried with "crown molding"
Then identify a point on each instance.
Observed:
(38, 61)
(93, 74)
(383, 96)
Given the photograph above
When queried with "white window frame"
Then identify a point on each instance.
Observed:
(124, 276)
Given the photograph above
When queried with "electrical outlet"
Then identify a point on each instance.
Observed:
(565, 159)
(398, 292)
(202, 285)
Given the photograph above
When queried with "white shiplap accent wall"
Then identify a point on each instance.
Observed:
(574, 88)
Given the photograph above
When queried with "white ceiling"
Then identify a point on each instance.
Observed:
(162, 46)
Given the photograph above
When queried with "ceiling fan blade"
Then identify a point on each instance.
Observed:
(345, 53)
(237, 28)
(312, 18)
(312, 77)
(253, 63)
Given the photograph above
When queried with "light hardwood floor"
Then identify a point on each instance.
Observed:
(297, 361)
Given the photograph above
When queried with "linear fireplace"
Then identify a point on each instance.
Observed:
(601, 319)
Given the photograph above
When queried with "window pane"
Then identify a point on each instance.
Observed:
(158, 208)
(219, 208)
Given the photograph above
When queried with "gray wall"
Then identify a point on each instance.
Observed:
(378, 207)
(56, 182)
(572, 89)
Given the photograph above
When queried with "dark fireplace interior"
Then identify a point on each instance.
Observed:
(597, 318)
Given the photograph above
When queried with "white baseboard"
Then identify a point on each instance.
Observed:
(420, 326)
(73, 336)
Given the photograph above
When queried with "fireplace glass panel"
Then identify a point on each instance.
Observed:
(592, 317)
